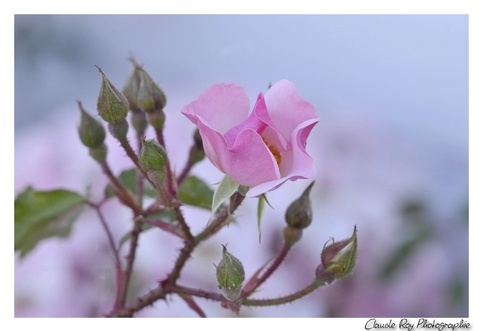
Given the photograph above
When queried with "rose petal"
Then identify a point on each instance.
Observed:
(249, 162)
(286, 108)
(296, 163)
(222, 107)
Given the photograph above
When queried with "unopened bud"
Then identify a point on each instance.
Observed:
(131, 86)
(299, 213)
(340, 258)
(150, 97)
(91, 131)
(230, 275)
(112, 105)
(152, 156)
(156, 119)
(197, 152)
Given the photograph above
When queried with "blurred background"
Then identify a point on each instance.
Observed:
(391, 153)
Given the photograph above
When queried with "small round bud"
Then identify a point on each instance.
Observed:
(150, 97)
(152, 156)
(299, 213)
(112, 105)
(196, 155)
(230, 275)
(197, 152)
(91, 131)
(131, 86)
(340, 258)
(156, 119)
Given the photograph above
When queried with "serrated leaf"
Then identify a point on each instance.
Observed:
(129, 179)
(43, 214)
(224, 191)
(193, 191)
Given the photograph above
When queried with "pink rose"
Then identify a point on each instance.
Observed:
(261, 150)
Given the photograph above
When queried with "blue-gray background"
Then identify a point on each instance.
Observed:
(392, 95)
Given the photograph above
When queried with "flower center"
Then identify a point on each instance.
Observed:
(274, 151)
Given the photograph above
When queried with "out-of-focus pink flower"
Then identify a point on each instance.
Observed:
(261, 150)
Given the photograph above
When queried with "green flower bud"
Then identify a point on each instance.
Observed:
(156, 119)
(197, 152)
(99, 153)
(150, 97)
(112, 105)
(152, 157)
(230, 275)
(131, 86)
(119, 130)
(91, 131)
(340, 258)
(299, 213)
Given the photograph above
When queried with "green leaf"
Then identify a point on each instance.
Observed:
(262, 199)
(43, 214)
(224, 191)
(193, 191)
(129, 179)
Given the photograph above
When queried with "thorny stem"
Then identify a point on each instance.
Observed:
(192, 304)
(144, 301)
(119, 189)
(196, 292)
(130, 262)
(184, 173)
(249, 289)
(286, 299)
(167, 285)
(220, 221)
(122, 292)
(177, 211)
(140, 179)
(115, 252)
